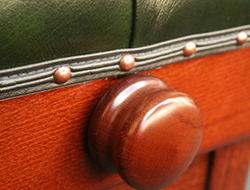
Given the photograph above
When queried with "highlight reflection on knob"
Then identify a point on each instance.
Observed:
(145, 131)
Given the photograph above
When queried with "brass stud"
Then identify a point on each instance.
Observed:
(189, 49)
(62, 75)
(242, 38)
(127, 62)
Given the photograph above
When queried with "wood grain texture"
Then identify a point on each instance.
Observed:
(43, 142)
(230, 166)
(193, 178)
(43, 136)
(145, 131)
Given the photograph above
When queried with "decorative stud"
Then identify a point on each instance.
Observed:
(62, 75)
(189, 49)
(242, 38)
(127, 62)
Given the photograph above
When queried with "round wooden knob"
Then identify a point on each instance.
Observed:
(145, 131)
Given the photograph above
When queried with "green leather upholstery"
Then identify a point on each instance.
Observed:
(40, 30)
(162, 20)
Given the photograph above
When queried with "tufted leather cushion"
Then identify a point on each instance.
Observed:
(34, 31)
(162, 20)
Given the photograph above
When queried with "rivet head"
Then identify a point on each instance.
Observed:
(62, 75)
(127, 62)
(189, 49)
(242, 38)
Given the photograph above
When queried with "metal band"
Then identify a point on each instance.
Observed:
(39, 77)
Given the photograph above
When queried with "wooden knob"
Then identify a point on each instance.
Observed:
(145, 131)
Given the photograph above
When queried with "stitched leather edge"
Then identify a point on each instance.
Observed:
(39, 77)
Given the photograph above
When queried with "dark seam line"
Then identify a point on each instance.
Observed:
(209, 171)
(134, 9)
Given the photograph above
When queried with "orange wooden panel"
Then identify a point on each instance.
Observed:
(195, 177)
(43, 136)
(230, 166)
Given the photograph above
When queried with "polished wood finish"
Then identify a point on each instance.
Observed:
(230, 166)
(194, 178)
(145, 131)
(43, 136)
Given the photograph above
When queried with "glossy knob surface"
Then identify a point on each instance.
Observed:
(145, 131)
